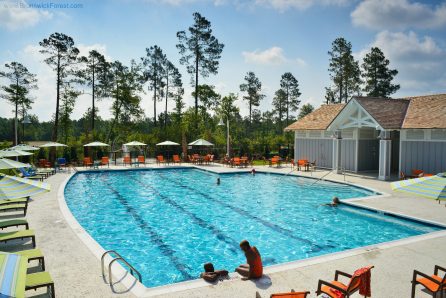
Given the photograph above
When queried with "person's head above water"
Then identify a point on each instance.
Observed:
(208, 267)
(253, 171)
(335, 200)
(244, 245)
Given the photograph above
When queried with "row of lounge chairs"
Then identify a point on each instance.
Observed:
(360, 280)
(34, 280)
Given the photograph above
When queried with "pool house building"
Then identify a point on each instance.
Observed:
(375, 134)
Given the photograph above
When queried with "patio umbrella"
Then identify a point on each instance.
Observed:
(168, 143)
(10, 152)
(53, 144)
(93, 144)
(433, 187)
(24, 147)
(13, 274)
(201, 142)
(12, 164)
(135, 143)
(15, 187)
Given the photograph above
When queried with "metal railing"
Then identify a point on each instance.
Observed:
(335, 168)
(119, 258)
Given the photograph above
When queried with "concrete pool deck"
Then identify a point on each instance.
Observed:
(75, 268)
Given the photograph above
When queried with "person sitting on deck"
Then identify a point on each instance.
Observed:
(254, 269)
(333, 204)
(210, 274)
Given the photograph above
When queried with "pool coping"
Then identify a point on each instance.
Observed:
(121, 275)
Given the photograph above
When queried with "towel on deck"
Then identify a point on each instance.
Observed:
(364, 286)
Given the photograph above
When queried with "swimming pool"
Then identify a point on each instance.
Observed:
(168, 223)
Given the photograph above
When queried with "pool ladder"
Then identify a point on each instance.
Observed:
(119, 258)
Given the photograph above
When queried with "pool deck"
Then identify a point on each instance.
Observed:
(72, 257)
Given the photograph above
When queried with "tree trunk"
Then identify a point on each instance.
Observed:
(250, 107)
(87, 139)
(184, 145)
(209, 140)
(92, 110)
(167, 94)
(196, 94)
(154, 104)
(116, 117)
(56, 122)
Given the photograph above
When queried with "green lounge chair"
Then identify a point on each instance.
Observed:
(4, 237)
(15, 207)
(14, 223)
(32, 254)
(32, 178)
(14, 201)
(38, 280)
(47, 171)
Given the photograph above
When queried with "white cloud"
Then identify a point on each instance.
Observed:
(272, 56)
(15, 17)
(419, 61)
(84, 50)
(283, 5)
(398, 14)
(301, 62)
(311, 100)
(220, 87)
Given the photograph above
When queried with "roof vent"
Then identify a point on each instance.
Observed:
(313, 116)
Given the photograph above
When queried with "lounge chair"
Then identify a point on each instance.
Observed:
(105, 161)
(14, 223)
(48, 171)
(176, 159)
(141, 160)
(15, 207)
(127, 161)
(300, 163)
(4, 237)
(274, 161)
(25, 174)
(44, 164)
(416, 173)
(38, 280)
(190, 159)
(62, 162)
(433, 283)
(14, 201)
(292, 294)
(28, 176)
(32, 254)
(87, 162)
(161, 159)
(349, 289)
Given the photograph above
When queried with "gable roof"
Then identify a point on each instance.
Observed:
(418, 112)
(389, 113)
(428, 111)
(322, 118)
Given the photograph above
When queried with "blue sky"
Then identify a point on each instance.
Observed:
(268, 37)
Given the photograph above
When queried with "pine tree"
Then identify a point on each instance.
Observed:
(253, 86)
(377, 75)
(173, 80)
(305, 110)
(200, 52)
(279, 103)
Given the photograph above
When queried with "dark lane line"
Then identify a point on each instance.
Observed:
(155, 238)
(276, 228)
(220, 236)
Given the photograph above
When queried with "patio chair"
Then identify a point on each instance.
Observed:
(14, 201)
(38, 280)
(62, 162)
(274, 161)
(211, 159)
(49, 171)
(293, 164)
(312, 164)
(44, 173)
(127, 161)
(265, 161)
(428, 175)
(402, 175)
(14, 223)
(227, 161)
(176, 159)
(292, 294)
(433, 283)
(206, 159)
(15, 207)
(44, 164)
(141, 159)
(191, 160)
(251, 162)
(416, 173)
(32, 254)
(4, 237)
(87, 162)
(161, 159)
(25, 174)
(300, 163)
(105, 161)
(28, 176)
(329, 288)
(237, 161)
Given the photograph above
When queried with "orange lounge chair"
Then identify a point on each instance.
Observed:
(416, 173)
(161, 159)
(428, 175)
(273, 162)
(176, 159)
(141, 160)
(43, 163)
(105, 161)
(237, 161)
(347, 290)
(292, 294)
(87, 162)
(433, 283)
(127, 160)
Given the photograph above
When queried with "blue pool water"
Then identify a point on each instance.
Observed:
(168, 223)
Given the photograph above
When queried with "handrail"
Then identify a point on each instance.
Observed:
(289, 173)
(335, 168)
(131, 270)
(116, 259)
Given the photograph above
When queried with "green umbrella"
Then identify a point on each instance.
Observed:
(433, 187)
(10, 153)
(12, 164)
(15, 187)
(53, 144)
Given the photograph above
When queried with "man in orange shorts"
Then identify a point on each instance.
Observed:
(254, 269)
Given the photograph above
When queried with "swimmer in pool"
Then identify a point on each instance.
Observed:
(253, 171)
(254, 269)
(333, 204)
(209, 274)
(218, 181)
